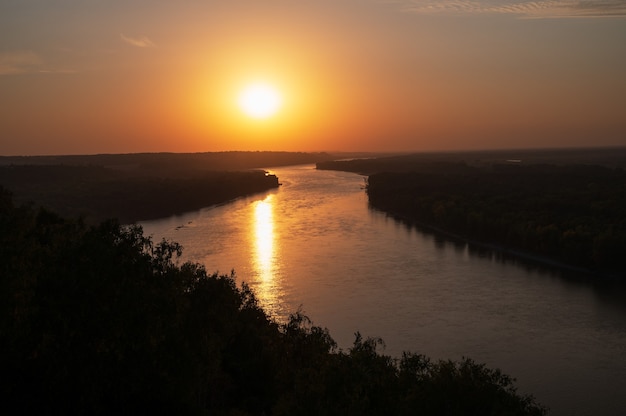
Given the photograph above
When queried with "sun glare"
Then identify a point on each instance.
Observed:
(259, 101)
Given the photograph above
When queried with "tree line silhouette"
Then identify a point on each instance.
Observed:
(141, 186)
(99, 319)
(573, 214)
(98, 192)
(173, 163)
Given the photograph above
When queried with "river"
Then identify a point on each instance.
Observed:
(315, 244)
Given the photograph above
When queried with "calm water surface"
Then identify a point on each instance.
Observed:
(315, 244)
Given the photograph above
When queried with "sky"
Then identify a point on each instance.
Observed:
(112, 76)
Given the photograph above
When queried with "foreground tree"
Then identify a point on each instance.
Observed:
(100, 320)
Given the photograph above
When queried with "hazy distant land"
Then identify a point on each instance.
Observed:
(613, 157)
(565, 206)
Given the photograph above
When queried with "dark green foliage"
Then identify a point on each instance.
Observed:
(572, 214)
(451, 388)
(98, 193)
(100, 320)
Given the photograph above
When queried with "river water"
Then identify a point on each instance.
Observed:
(315, 244)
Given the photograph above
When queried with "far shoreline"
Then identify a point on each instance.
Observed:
(559, 209)
(515, 254)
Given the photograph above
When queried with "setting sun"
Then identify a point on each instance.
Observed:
(259, 101)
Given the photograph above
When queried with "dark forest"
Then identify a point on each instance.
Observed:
(101, 320)
(554, 208)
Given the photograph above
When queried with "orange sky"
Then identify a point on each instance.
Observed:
(150, 76)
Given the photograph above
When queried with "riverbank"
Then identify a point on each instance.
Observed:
(501, 251)
(141, 186)
(568, 216)
(97, 193)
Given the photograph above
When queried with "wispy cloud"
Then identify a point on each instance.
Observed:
(140, 42)
(57, 71)
(19, 62)
(27, 62)
(524, 8)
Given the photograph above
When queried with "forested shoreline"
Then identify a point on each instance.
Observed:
(142, 186)
(98, 193)
(571, 214)
(100, 320)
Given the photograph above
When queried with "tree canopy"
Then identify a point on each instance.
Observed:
(101, 320)
(572, 214)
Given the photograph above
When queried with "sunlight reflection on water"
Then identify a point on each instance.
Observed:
(264, 237)
(264, 252)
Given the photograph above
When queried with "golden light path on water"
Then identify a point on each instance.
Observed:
(264, 253)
